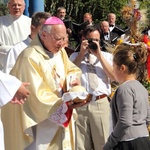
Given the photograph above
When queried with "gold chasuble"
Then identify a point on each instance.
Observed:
(41, 123)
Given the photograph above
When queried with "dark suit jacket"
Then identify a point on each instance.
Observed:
(112, 40)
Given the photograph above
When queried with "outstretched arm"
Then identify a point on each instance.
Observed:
(11, 88)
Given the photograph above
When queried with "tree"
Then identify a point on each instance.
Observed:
(76, 8)
(98, 8)
(3, 9)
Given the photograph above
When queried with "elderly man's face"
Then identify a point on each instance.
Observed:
(55, 40)
(61, 14)
(87, 18)
(112, 19)
(16, 7)
(105, 27)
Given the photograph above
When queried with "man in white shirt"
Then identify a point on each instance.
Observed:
(11, 90)
(14, 28)
(93, 122)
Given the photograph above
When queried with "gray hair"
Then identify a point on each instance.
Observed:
(10, 1)
(38, 16)
(61, 8)
(46, 28)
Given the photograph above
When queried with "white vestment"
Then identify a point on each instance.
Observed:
(34, 65)
(13, 30)
(46, 130)
(13, 54)
(8, 87)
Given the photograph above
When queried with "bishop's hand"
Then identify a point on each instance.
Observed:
(77, 102)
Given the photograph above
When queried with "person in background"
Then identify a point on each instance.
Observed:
(14, 91)
(111, 21)
(45, 121)
(87, 21)
(61, 13)
(113, 27)
(107, 35)
(36, 23)
(88, 17)
(130, 103)
(14, 28)
(93, 124)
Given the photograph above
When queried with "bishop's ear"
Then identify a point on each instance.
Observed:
(44, 34)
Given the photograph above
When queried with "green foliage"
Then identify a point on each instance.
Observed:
(3, 9)
(98, 8)
(145, 5)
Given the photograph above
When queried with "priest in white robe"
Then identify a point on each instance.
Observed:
(14, 28)
(38, 19)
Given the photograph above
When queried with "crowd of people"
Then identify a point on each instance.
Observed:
(52, 99)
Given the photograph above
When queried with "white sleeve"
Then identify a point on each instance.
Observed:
(8, 87)
(73, 56)
(12, 56)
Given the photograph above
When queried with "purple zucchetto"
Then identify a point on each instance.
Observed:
(53, 21)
